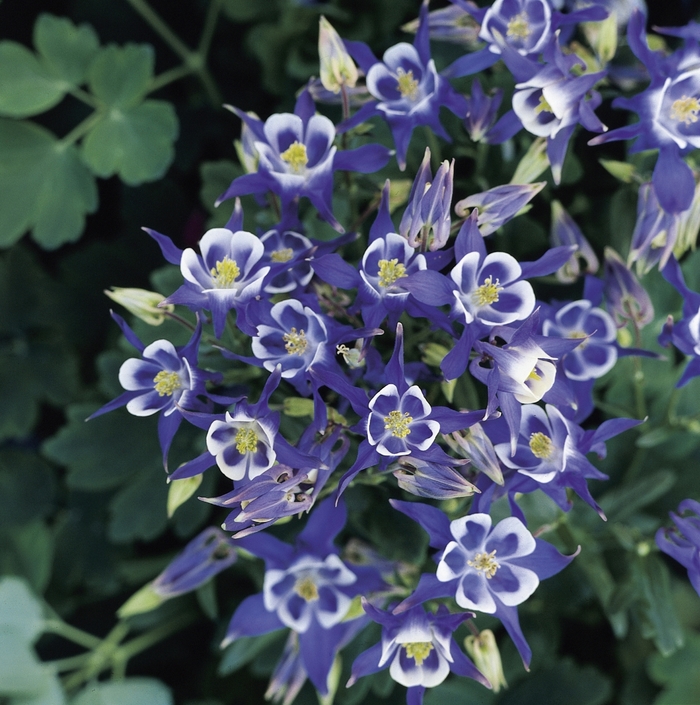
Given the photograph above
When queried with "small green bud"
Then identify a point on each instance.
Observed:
(143, 304)
(337, 68)
(533, 163)
(483, 650)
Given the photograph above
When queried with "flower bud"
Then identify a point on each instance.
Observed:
(337, 68)
(626, 298)
(245, 148)
(432, 480)
(481, 111)
(143, 304)
(565, 232)
(474, 444)
(487, 658)
(450, 24)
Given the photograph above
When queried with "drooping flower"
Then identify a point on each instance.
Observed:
(433, 480)
(490, 569)
(626, 298)
(418, 648)
(564, 231)
(682, 542)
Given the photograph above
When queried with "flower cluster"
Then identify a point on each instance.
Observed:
(337, 331)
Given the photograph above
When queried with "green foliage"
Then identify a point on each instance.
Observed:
(678, 674)
(131, 691)
(46, 186)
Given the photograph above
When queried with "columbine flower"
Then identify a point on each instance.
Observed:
(226, 275)
(418, 648)
(286, 253)
(296, 158)
(683, 543)
(207, 554)
(308, 588)
(433, 480)
(626, 298)
(655, 231)
(597, 353)
(407, 88)
(685, 334)
(486, 568)
(481, 111)
(669, 120)
(565, 232)
(165, 380)
(428, 208)
(449, 24)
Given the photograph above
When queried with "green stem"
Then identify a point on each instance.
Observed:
(162, 29)
(174, 74)
(81, 128)
(69, 664)
(209, 27)
(77, 636)
(145, 641)
(85, 97)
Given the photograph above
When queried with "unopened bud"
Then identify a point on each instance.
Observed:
(143, 304)
(337, 68)
(483, 650)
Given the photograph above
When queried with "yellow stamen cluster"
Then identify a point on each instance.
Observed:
(543, 106)
(398, 423)
(418, 650)
(487, 293)
(165, 383)
(485, 563)
(541, 445)
(518, 26)
(283, 255)
(296, 157)
(225, 273)
(685, 110)
(246, 440)
(408, 86)
(295, 343)
(306, 589)
(389, 271)
(534, 375)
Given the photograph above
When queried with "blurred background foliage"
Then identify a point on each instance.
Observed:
(110, 120)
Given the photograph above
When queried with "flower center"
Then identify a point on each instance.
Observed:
(408, 86)
(487, 293)
(418, 650)
(282, 255)
(685, 110)
(518, 26)
(165, 383)
(397, 423)
(579, 335)
(534, 375)
(295, 343)
(541, 445)
(389, 271)
(306, 589)
(295, 156)
(225, 273)
(246, 440)
(543, 106)
(485, 563)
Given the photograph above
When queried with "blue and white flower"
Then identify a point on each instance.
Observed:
(291, 248)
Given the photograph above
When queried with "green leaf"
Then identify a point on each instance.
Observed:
(144, 600)
(105, 451)
(180, 491)
(244, 650)
(21, 673)
(565, 682)
(67, 49)
(137, 143)
(27, 87)
(130, 691)
(28, 551)
(26, 487)
(119, 77)
(678, 673)
(623, 501)
(44, 184)
(138, 510)
(658, 608)
(20, 611)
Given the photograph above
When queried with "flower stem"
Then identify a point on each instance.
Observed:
(82, 128)
(77, 636)
(169, 76)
